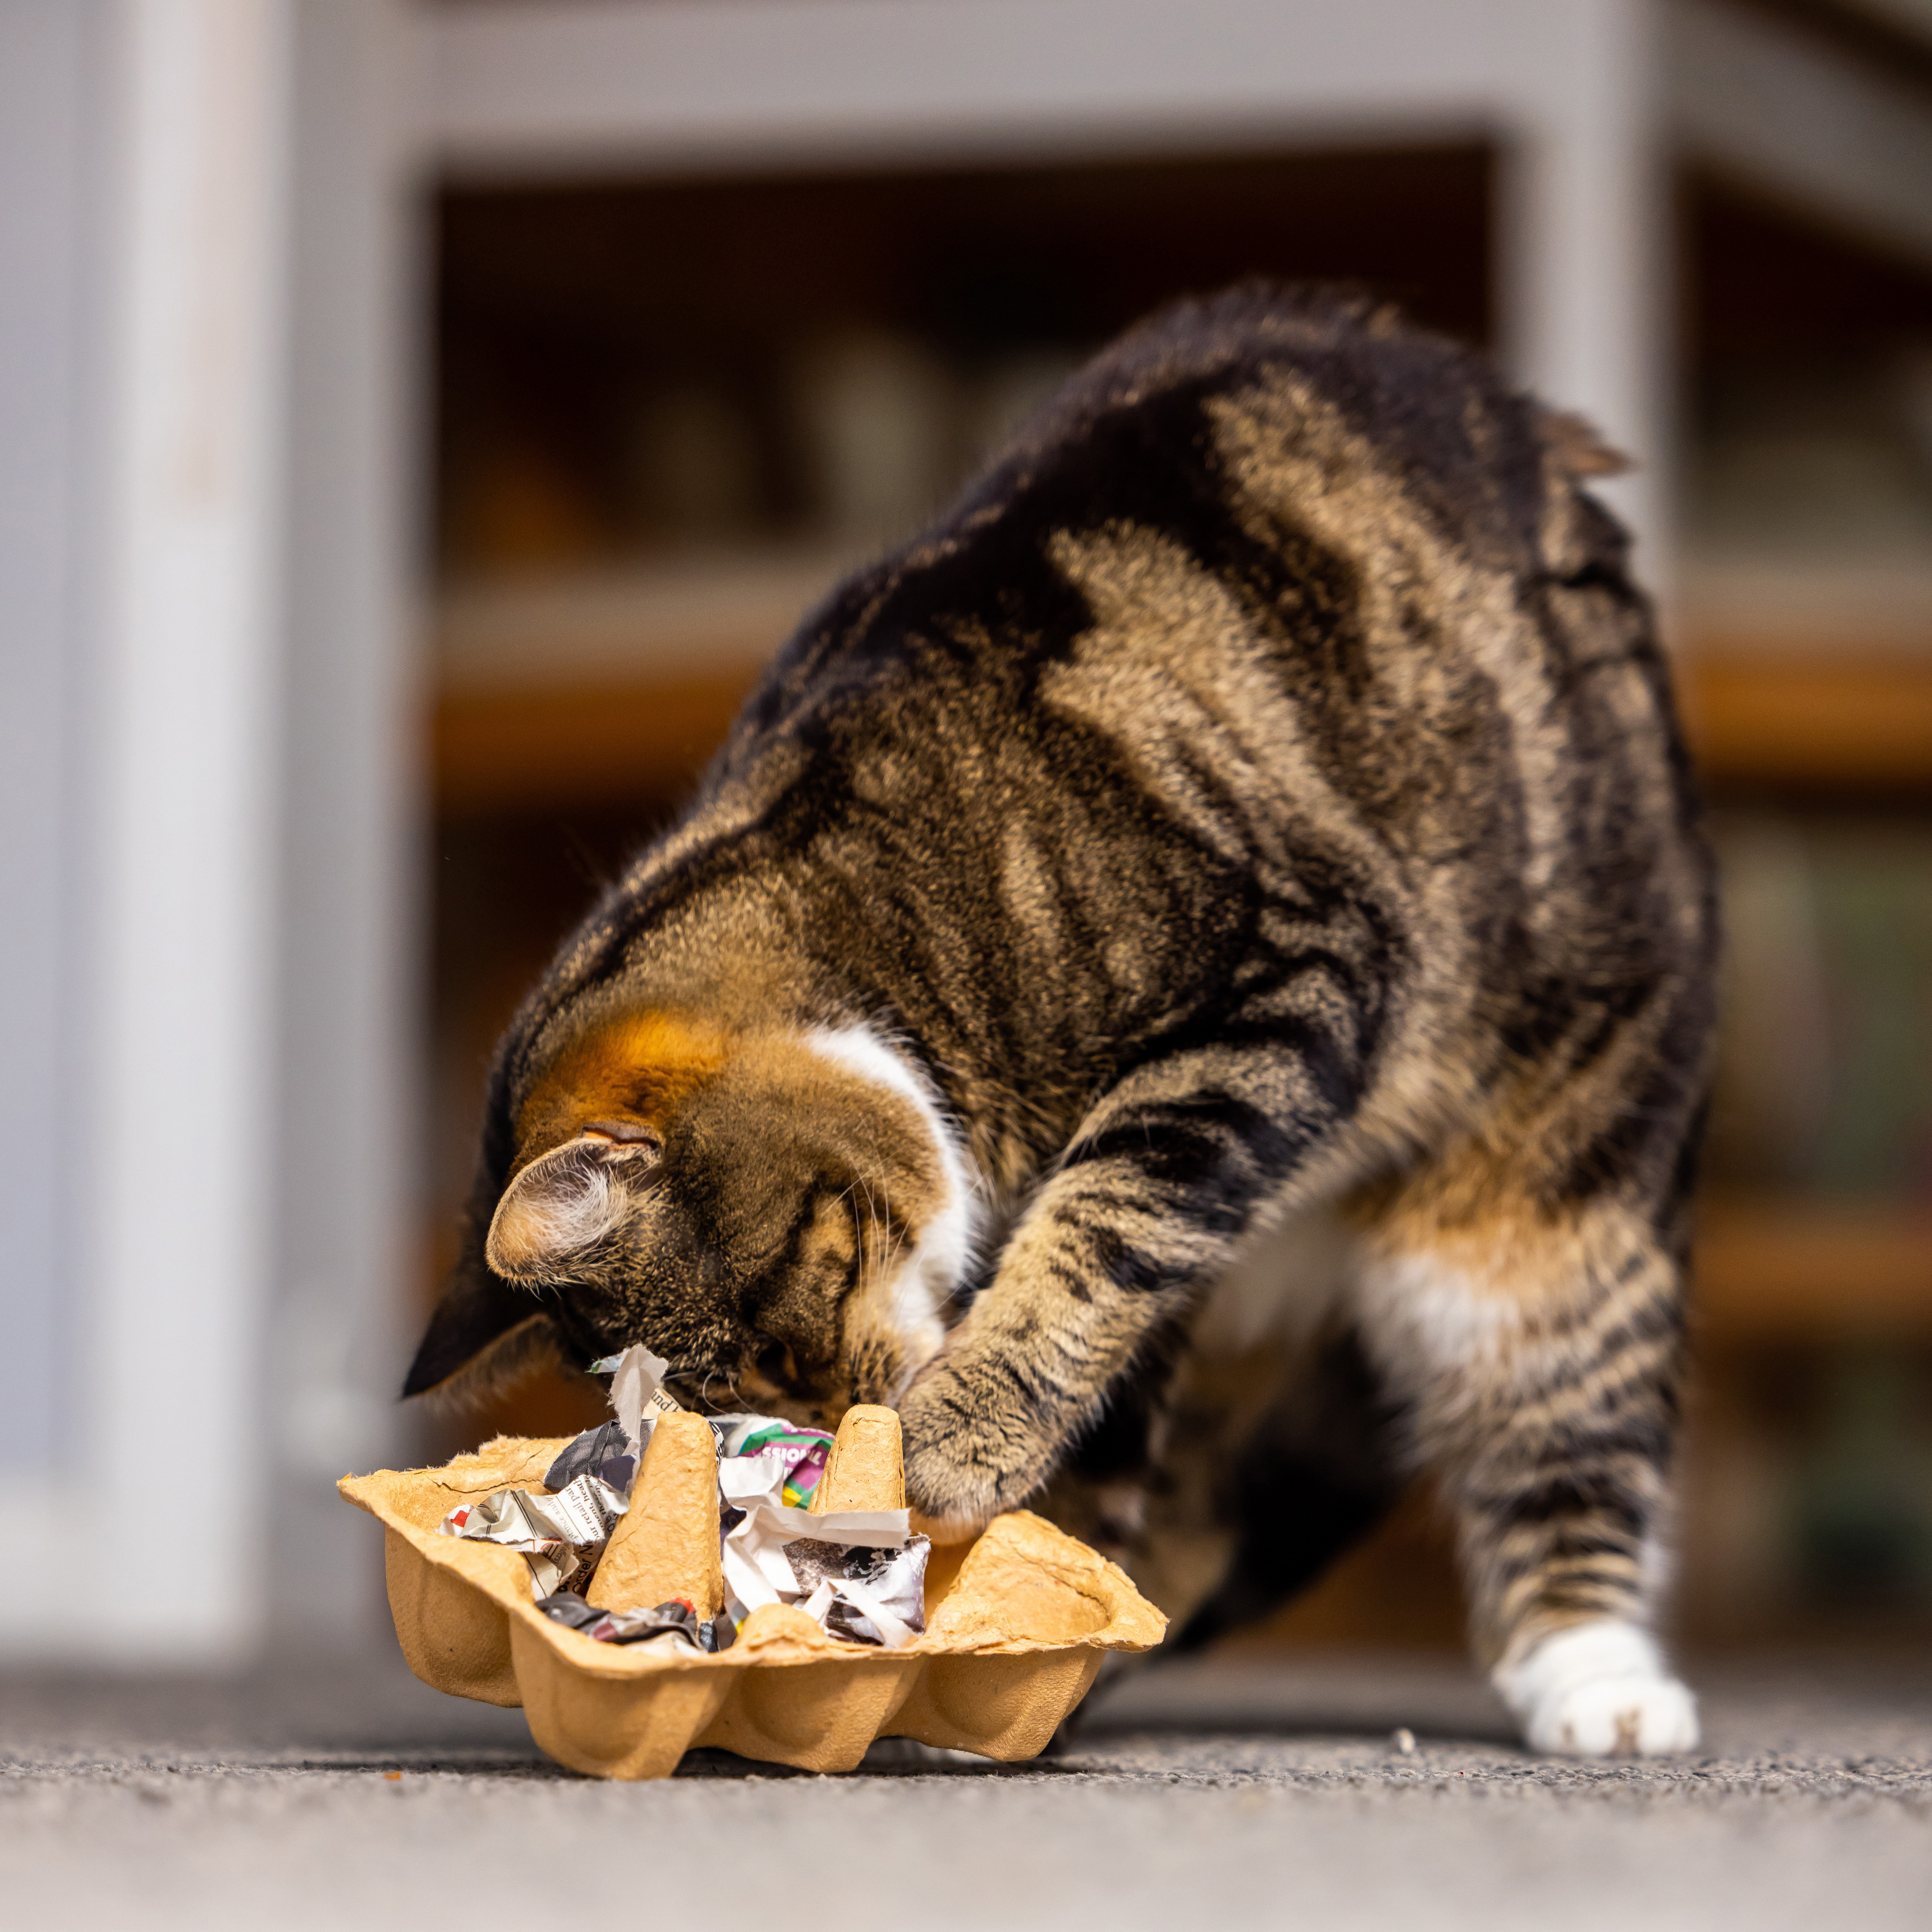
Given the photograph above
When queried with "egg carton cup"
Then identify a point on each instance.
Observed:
(1017, 1623)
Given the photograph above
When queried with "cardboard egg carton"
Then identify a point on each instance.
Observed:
(1016, 1622)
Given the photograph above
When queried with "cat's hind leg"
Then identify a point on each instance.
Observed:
(1539, 1351)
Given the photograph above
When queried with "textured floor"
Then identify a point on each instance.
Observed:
(1222, 1795)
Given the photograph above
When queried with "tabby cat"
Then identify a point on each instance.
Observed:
(1192, 979)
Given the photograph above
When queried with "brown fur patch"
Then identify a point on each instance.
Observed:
(637, 1070)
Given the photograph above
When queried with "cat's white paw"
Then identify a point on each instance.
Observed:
(1599, 1690)
(1617, 1716)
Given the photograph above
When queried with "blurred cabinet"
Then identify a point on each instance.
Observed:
(690, 365)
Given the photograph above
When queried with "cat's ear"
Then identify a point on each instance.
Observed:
(567, 1201)
(484, 1331)
(1578, 448)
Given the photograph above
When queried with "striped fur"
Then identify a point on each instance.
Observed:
(1259, 794)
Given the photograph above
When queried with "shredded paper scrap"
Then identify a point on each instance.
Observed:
(860, 1573)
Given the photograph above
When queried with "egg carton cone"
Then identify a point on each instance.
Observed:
(1016, 1622)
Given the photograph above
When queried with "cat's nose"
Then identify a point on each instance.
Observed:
(773, 1361)
(775, 1375)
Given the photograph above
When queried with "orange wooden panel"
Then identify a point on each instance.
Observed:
(548, 748)
(1805, 1271)
(1752, 718)
(1763, 718)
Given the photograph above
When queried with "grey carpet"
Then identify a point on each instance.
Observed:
(1228, 1794)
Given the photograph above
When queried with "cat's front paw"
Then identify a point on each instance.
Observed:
(1600, 1689)
(965, 1461)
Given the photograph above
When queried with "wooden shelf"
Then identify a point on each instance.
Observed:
(618, 683)
(1843, 727)
(1770, 1269)
(611, 685)
(1759, 718)
(544, 750)
(638, 625)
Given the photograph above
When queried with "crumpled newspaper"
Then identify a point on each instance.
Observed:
(859, 1572)
(866, 1595)
(677, 1622)
(604, 1452)
(561, 1535)
(637, 1392)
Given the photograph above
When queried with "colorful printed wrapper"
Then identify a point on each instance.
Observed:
(803, 1452)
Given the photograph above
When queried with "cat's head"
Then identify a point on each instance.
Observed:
(782, 1215)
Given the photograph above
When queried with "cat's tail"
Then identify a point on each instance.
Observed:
(1321, 1470)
